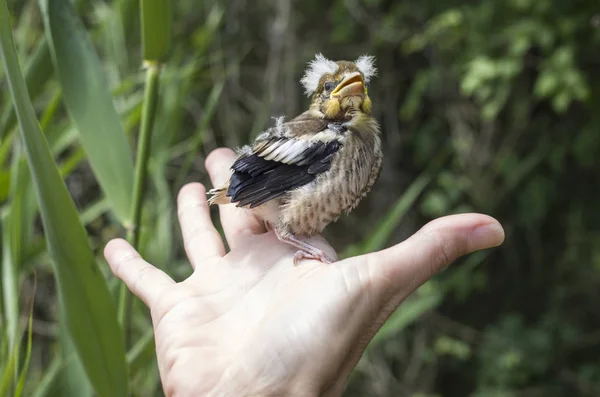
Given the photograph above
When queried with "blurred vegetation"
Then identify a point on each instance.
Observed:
(485, 106)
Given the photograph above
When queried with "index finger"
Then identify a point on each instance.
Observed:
(143, 280)
(236, 221)
(201, 240)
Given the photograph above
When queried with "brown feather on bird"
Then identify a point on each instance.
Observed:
(300, 175)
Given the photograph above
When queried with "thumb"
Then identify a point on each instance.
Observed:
(434, 247)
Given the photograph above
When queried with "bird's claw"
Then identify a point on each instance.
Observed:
(306, 250)
(322, 257)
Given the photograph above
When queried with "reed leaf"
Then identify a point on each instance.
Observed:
(87, 308)
(45, 385)
(72, 379)
(156, 17)
(426, 298)
(25, 369)
(88, 100)
(12, 241)
(37, 73)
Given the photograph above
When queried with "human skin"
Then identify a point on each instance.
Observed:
(249, 323)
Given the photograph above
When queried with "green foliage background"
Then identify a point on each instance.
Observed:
(488, 106)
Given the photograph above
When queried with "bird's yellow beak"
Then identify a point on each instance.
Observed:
(352, 85)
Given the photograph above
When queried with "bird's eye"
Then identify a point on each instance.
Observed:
(328, 86)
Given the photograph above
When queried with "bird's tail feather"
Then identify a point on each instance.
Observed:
(218, 196)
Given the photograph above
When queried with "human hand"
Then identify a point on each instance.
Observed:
(250, 323)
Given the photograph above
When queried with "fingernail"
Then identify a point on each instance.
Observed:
(486, 236)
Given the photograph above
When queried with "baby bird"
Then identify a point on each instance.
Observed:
(300, 175)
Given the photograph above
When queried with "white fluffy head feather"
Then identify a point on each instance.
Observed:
(316, 69)
(321, 65)
(366, 65)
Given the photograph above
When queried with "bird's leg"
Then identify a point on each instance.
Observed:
(307, 251)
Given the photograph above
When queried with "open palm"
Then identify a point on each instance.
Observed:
(250, 323)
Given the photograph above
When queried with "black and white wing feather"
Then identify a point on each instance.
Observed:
(276, 165)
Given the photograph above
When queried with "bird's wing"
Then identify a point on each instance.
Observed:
(283, 160)
(305, 124)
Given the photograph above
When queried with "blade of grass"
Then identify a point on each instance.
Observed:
(12, 248)
(25, 368)
(85, 302)
(156, 242)
(6, 148)
(4, 358)
(73, 380)
(129, 19)
(7, 374)
(46, 384)
(71, 163)
(88, 100)
(113, 36)
(209, 111)
(36, 249)
(141, 170)
(156, 18)
(423, 300)
(4, 191)
(50, 109)
(142, 352)
(175, 90)
(143, 153)
(94, 211)
(37, 73)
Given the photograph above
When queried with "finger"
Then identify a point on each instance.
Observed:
(432, 248)
(236, 221)
(143, 280)
(200, 238)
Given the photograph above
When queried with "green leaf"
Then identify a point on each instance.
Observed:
(546, 83)
(44, 386)
(88, 100)
(12, 241)
(209, 111)
(72, 379)
(37, 73)
(156, 237)
(453, 347)
(25, 368)
(156, 17)
(436, 203)
(142, 352)
(87, 308)
(423, 300)
(8, 369)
